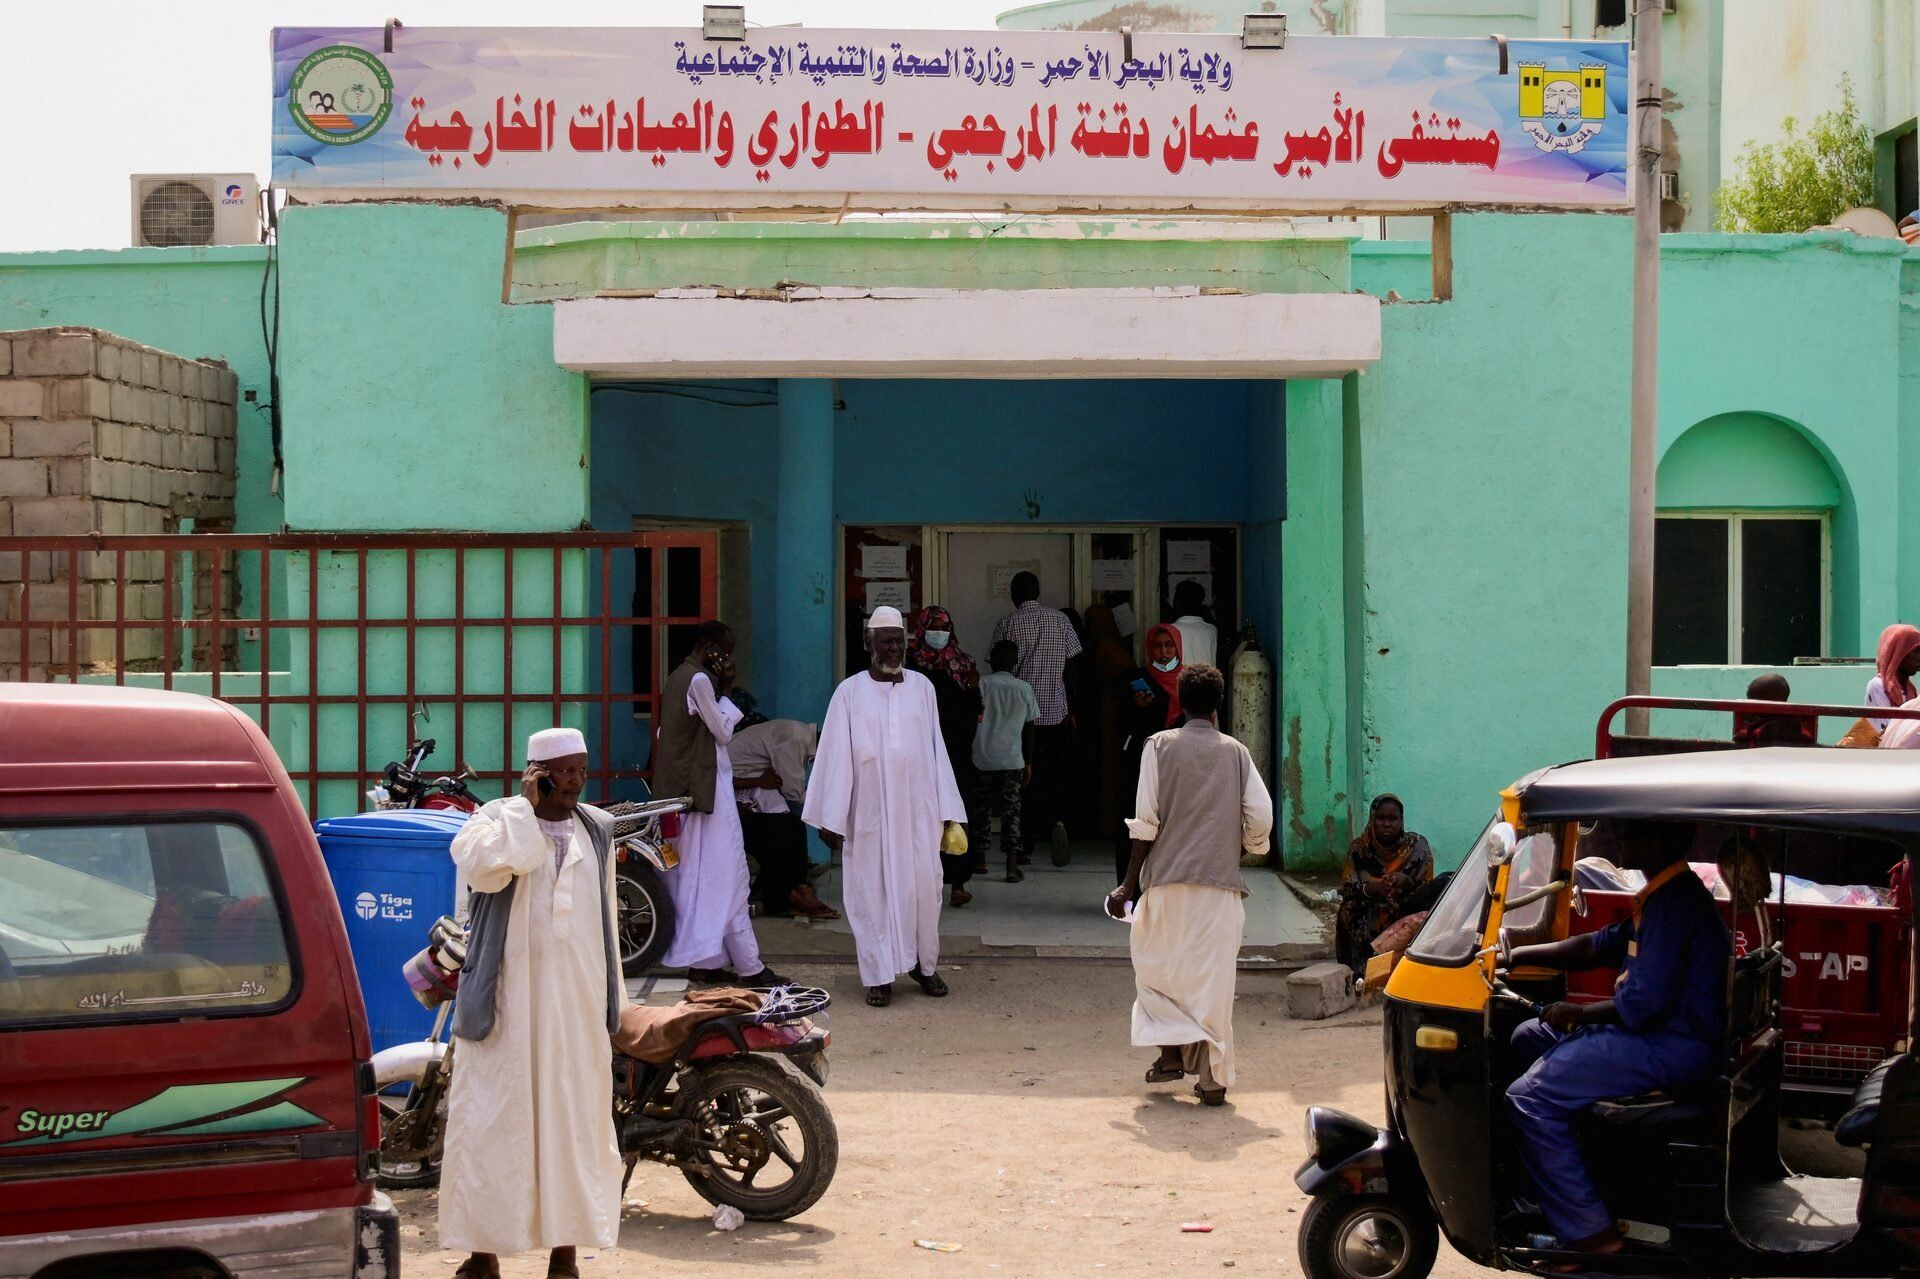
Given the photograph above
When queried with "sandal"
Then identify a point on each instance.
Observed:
(1158, 1074)
(930, 984)
(1210, 1096)
(1015, 875)
(711, 977)
(486, 1270)
(555, 1271)
(879, 996)
(808, 906)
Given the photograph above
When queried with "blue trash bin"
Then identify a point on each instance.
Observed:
(393, 876)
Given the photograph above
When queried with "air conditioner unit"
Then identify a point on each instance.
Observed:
(1669, 186)
(174, 209)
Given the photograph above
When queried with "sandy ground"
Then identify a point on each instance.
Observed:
(1011, 1119)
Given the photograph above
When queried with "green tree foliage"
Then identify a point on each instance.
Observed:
(1803, 180)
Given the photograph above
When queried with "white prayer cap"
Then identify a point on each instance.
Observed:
(555, 743)
(885, 617)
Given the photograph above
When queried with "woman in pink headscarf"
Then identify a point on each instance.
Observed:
(1896, 664)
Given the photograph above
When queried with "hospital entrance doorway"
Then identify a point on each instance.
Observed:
(1134, 571)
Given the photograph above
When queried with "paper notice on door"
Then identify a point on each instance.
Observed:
(1123, 618)
(889, 595)
(1113, 575)
(1189, 557)
(1000, 576)
(889, 562)
(1204, 579)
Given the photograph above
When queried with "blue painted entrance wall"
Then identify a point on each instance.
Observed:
(911, 451)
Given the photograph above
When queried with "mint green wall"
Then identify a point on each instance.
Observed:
(406, 371)
(1907, 527)
(1828, 685)
(1804, 329)
(1405, 267)
(581, 259)
(1312, 734)
(1746, 460)
(1492, 445)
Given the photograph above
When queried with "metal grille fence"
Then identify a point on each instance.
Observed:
(335, 642)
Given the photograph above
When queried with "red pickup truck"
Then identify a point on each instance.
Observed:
(1845, 976)
(185, 1077)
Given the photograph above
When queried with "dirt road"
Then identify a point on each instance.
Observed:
(1011, 1119)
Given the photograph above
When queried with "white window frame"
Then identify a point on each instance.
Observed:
(1734, 516)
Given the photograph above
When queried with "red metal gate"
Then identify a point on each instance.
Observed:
(168, 612)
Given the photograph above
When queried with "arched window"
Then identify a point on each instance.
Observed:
(1742, 545)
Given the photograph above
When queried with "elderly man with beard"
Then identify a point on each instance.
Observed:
(531, 1159)
(882, 788)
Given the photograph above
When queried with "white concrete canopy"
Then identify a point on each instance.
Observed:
(954, 333)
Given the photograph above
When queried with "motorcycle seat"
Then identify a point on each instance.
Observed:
(756, 1038)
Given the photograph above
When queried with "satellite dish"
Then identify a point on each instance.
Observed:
(1864, 222)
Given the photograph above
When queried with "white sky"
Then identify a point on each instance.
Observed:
(94, 90)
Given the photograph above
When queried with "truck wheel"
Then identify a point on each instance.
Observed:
(1367, 1237)
(645, 916)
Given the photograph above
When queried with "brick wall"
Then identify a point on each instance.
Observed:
(101, 435)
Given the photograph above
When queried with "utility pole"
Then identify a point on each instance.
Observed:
(1646, 354)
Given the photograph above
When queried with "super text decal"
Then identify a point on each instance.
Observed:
(874, 119)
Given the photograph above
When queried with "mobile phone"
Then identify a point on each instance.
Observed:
(545, 783)
(1140, 686)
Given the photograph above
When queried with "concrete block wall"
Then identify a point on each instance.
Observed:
(102, 435)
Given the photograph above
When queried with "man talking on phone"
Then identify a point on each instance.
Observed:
(713, 932)
(531, 1160)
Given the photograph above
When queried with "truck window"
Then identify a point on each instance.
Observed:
(106, 922)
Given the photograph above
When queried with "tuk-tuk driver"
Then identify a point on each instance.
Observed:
(1663, 1029)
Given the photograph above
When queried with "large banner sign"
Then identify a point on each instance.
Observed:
(660, 118)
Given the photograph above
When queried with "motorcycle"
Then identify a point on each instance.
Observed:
(643, 853)
(739, 1100)
(403, 785)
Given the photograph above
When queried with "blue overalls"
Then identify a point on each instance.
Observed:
(1671, 997)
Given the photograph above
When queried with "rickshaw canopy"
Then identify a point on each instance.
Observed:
(1863, 792)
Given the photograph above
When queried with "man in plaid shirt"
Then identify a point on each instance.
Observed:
(1047, 641)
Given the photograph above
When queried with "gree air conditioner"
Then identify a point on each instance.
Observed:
(175, 209)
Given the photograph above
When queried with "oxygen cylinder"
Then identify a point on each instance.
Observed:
(1250, 697)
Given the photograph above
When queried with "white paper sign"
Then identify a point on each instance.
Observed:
(1189, 557)
(891, 595)
(1113, 575)
(1123, 618)
(883, 561)
(1000, 576)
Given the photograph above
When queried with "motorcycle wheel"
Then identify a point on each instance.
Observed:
(1366, 1237)
(644, 916)
(768, 1139)
(402, 1174)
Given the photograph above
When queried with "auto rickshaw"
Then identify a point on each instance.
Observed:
(1696, 1180)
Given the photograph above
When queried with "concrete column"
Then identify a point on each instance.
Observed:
(805, 610)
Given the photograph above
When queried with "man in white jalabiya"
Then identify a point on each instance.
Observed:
(1201, 803)
(713, 932)
(531, 1159)
(881, 792)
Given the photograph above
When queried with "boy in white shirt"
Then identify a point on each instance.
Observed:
(1002, 754)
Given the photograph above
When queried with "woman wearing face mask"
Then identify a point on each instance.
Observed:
(1149, 702)
(956, 690)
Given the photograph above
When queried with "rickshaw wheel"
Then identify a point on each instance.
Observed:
(1367, 1237)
